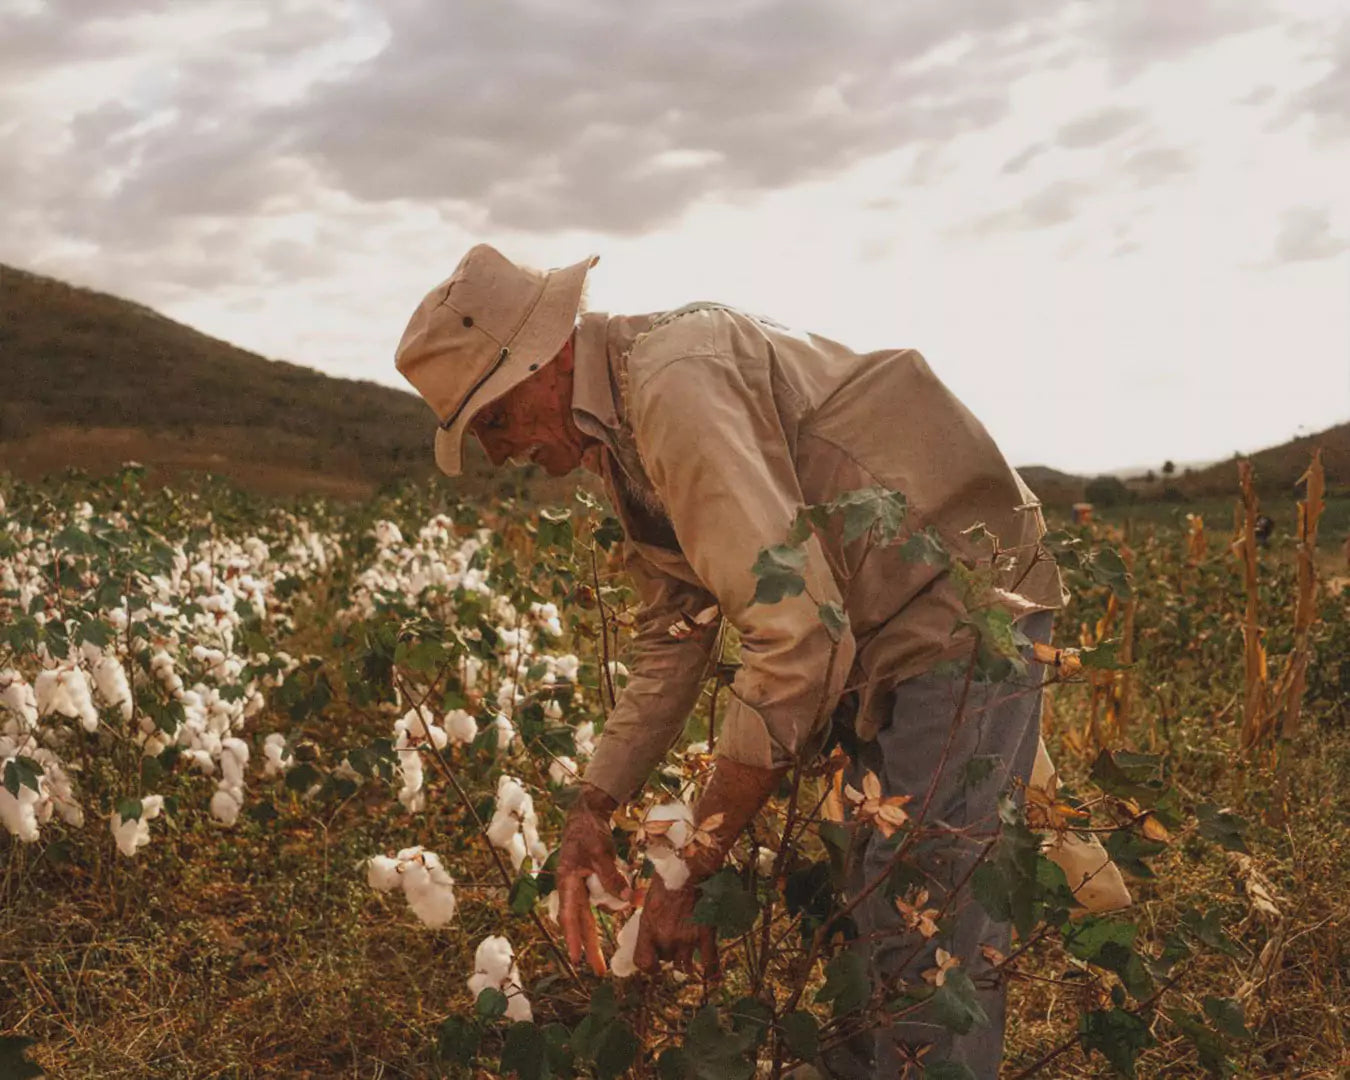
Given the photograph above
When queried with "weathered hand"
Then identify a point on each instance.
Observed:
(668, 931)
(587, 848)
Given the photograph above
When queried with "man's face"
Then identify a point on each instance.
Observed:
(533, 421)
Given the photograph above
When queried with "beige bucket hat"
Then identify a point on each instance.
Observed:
(482, 331)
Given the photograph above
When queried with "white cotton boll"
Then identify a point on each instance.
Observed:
(478, 982)
(695, 749)
(408, 853)
(507, 695)
(110, 678)
(553, 710)
(18, 813)
(552, 905)
(201, 760)
(682, 816)
(511, 795)
(562, 770)
(90, 653)
(226, 804)
(585, 739)
(617, 671)
(764, 859)
(382, 873)
(505, 732)
(622, 964)
(277, 759)
(601, 897)
(674, 870)
(233, 758)
(567, 667)
(131, 836)
(494, 958)
(518, 1007)
(460, 726)
(501, 829)
(473, 667)
(516, 850)
(431, 900)
(18, 699)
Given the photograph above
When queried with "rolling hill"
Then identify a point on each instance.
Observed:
(91, 380)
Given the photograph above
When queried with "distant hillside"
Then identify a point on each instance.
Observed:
(91, 380)
(1278, 469)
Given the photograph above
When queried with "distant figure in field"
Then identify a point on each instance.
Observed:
(1264, 527)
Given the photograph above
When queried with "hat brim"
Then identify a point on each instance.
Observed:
(538, 341)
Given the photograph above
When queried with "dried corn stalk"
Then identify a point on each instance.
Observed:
(1288, 694)
(1255, 702)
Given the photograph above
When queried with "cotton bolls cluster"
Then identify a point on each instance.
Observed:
(495, 966)
(413, 731)
(134, 834)
(427, 886)
(514, 827)
(64, 691)
(622, 963)
(668, 828)
(277, 757)
(229, 797)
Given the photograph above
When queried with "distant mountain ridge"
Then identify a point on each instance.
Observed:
(91, 380)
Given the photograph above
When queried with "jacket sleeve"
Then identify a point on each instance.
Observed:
(715, 448)
(665, 677)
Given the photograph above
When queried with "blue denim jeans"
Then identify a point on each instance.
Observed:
(999, 724)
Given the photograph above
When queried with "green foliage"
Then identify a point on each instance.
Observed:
(778, 574)
(14, 1063)
(726, 904)
(847, 984)
(1118, 1035)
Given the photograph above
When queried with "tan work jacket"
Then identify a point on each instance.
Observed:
(715, 427)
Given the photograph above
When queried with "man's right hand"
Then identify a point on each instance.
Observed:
(587, 848)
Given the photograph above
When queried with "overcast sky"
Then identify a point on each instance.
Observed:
(1118, 229)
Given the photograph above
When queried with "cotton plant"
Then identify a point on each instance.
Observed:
(495, 968)
(427, 886)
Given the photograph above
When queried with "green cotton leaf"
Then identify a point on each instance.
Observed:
(1106, 567)
(1128, 850)
(22, 771)
(609, 532)
(14, 1063)
(1227, 1017)
(129, 809)
(1208, 930)
(801, 1034)
(616, 1048)
(303, 777)
(95, 632)
(674, 1064)
(1105, 657)
(554, 529)
(778, 573)
(491, 1003)
(457, 1041)
(558, 1047)
(751, 1015)
(874, 510)
(524, 892)
(926, 547)
(1117, 1035)
(1129, 776)
(835, 619)
(1210, 1047)
(525, 1051)
(1109, 943)
(726, 904)
(846, 984)
(712, 1053)
(956, 1003)
(809, 892)
(1222, 826)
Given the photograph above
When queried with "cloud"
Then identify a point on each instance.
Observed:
(1139, 33)
(1098, 127)
(1156, 165)
(1023, 158)
(1305, 235)
(1052, 205)
(1328, 99)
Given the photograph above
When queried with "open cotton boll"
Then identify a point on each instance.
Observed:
(516, 850)
(226, 804)
(17, 698)
(110, 678)
(673, 869)
(562, 770)
(277, 759)
(585, 739)
(518, 1006)
(681, 815)
(460, 726)
(622, 963)
(131, 836)
(430, 891)
(233, 758)
(382, 873)
(601, 897)
(18, 813)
